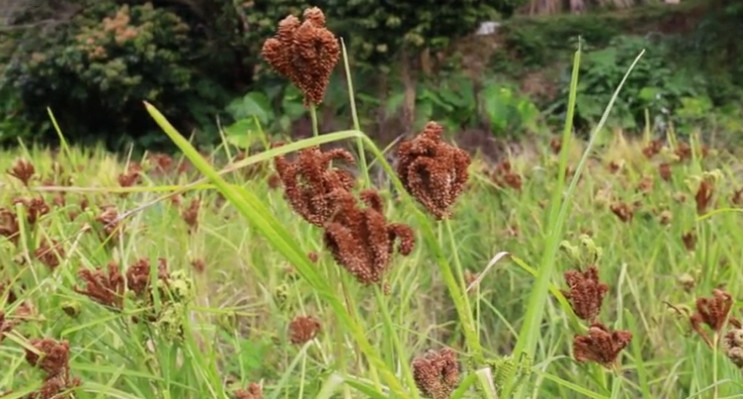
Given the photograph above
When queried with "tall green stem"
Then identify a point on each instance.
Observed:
(355, 116)
(313, 116)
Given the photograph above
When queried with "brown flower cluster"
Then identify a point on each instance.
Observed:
(50, 253)
(54, 361)
(190, 215)
(305, 53)
(362, 240)
(9, 227)
(109, 219)
(713, 312)
(138, 275)
(309, 182)
(704, 194)
(35, 208)
(504, 176)
(733, 344)
(623, 211)
(436, 374)
(303, 329)
(432, 171)
(600, 345)
(104, 287)
(689, 239)
(664, 169)
(22, 170)
(653, 148)
(586, 292)
(254, 391)
(132, 176)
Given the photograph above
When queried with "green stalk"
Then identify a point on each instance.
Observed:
(560, 204)
(355, 116)
(313, 117)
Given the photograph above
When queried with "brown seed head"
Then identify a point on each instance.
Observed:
(503, 176)
(601, 345)
(305, 53)
(623, 211)
(713, 312)
(50, 253)
(254, 391)
(191, 215)
(199, 265)
(9, 227)
(309, 182)
(689, 239)
(35, 208)
(704, 195)
(653, 148)
(109, 218)
(683, 151)
(436, 374)
(733, 342)
(138, 275)
(22, 170)
(54, 356)
(303, 329)
(585, 293)
(664, 169)
(361, 240)
(432, 171)
(106, 288)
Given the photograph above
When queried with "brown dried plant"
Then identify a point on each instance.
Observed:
(9, 227)
(645, 185)
(733, 345)
(53, 358)
(653, 148)
(106, 288)
(305, 53)
(138, 275)
(190, 215)
(361, 240)
(737, 197)
(303, 329)
(683, 151)
(254, 391)
(436, 374)
(704, 194)
(309, 182)
(504, 176)
(22, 170)
(664, 169)
(713, 312)
(600, 345)
(35, 208)
(132, 176)
(432, 171)
(623, 211)
(689, 239)
(50, 253)
(109, 218)
(586, 292)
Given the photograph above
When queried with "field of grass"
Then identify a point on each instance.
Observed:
(618, 281)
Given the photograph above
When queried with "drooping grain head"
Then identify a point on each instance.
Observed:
(600, 345)
(309, 182)
(22, 170)
(362, 240)
(432, 171)
(586, 293)
(436, 374)
(303, 329)
(305, 53)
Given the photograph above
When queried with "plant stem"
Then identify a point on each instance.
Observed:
(355, 116)
(313, 116)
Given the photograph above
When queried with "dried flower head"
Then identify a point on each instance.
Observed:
(683, 151)
(138, 275)
(733, 345)
(601, 345)
(199, 265)
(436, 374)
(689, 239)
(432, 171)
(254, 391)
(50, 253)
(35, 208)
(664, 169)
(615, 166)
(362, 240)
(504, 176)
(704, 194)
(585, 293)
(653, 148)
(309, 182)
(305, 53)
(109, 218)
(22, 170)
(190, 215)
(303, 329)
(106, 288)
(713, 312)
(737, 197)
(53, 358)
(623, 211)
(132, 176)
(9, 227)
(556, 144)
(646, 185)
